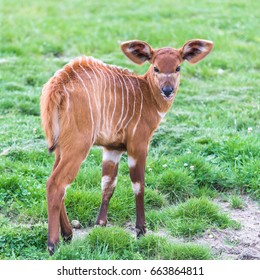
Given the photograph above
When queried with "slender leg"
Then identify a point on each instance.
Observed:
(57, 158)
(64, 173)
(66, 231)
(109, 176)
(136, 163)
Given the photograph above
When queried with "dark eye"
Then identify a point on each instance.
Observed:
(156, 69)
(178, 69)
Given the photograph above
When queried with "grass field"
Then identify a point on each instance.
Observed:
(207, 145)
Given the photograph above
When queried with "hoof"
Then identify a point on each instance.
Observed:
(140, 232)
(51, 249)
(101, 223)
(67, 238)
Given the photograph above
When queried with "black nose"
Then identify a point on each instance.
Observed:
(167, 90)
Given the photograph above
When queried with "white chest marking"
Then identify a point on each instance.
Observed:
(113, 155)
(161, 114)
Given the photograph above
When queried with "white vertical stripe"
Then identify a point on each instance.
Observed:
(109, 103)
(99, 79)
(103, 94)
(71, 82)
(94, 93)
(122, 103)
(93, 85)
(141, 106)
(133, 93)
(127, 102)
(104, 124)
(112, 74)
(68, 97)
(114, 110)
(89, 101)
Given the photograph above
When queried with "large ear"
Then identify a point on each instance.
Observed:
(195, 50)
(137, 51)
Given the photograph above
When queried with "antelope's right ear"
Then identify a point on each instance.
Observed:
(137, 51)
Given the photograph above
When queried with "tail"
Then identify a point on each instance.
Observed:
(51, 99)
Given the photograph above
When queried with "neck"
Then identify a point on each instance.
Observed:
(162, 105)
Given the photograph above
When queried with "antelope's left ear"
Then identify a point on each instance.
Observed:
(137, 51)
(195, 50)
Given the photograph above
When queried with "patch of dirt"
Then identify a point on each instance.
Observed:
(80, 233)
(242, 244)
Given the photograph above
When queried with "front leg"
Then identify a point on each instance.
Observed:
(136, 163)
(109, 175)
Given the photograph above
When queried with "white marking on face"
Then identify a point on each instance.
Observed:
(136, 188)
(111, 155)
(168, 75)
(131, 162)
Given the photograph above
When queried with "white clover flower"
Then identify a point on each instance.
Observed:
(192, 167)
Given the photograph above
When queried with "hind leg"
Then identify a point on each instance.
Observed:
(66, 170)
(66, 231)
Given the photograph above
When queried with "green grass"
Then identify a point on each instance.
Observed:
(190, 218)
(115, 243)
(206, 146)
(236, 202)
